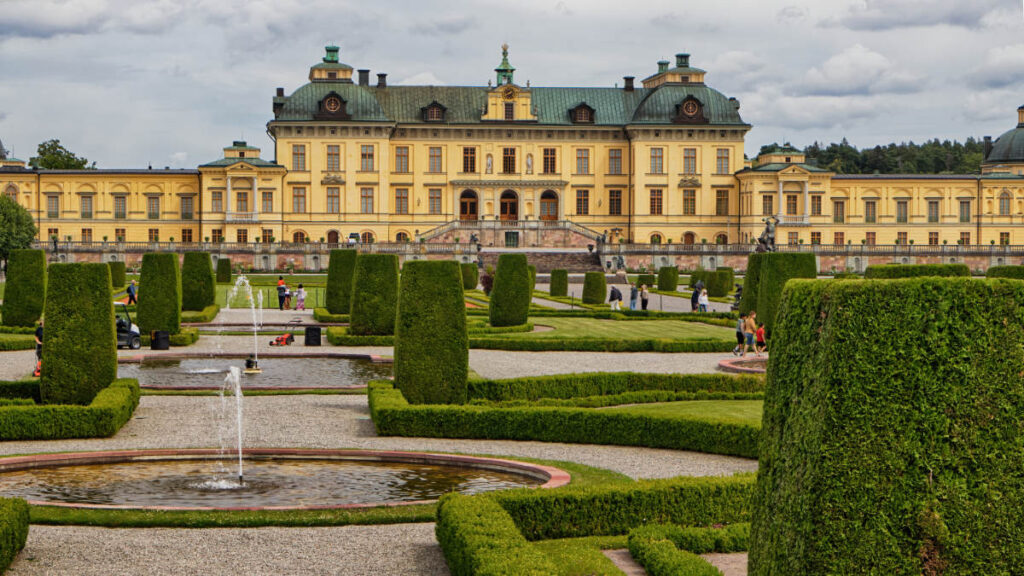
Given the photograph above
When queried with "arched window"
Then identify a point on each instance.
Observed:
(655, 238)
(366, 238)
(402, 237)
(299, 237)
(721, 239)
(11, 192)
(1004, 204)
(332, 237)
(689, 238)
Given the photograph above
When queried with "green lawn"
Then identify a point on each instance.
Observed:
(291, 279)
(624, 329)
(725, 411)
(2, 284)
(314, 296)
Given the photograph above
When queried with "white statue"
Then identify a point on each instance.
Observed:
(490, 164)
(529, 163)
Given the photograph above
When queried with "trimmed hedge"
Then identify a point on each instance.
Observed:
(480, 539)
(650, 280)
(661, 558)
(25, 292)
(699, 540)
(776, 269)
(751, 282)
(923, 479)
(915, 270)
(17, 342)
(340, 271)
(103, 417)
(394, 416)
(559, 285)
(159, 305)
(20, 389)
(595, 288)
(431, 344)
(668, 278)
(118, 274)
(607, 383)
(1015, 272)
(79, 340)
(512, 292)
(197, 281)
(14, 519)
(223, 270)
(533, 277)
(186, 337)
(721, 281)
(846, 276)
(323, 315)
(601, 344)
(374, 295)
(207, 314)
(470, 275)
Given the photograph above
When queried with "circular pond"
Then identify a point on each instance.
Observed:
(273, 479)
(277, 373)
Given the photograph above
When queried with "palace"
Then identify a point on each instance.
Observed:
(511, 165)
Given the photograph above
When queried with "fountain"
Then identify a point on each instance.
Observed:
(256, 306)
(233, 381)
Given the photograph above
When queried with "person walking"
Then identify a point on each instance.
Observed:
(759, 338)
(749, 328)
(615, 298)
(740, 339)
(703, 301)
(643, 296)
(695, 297)
(39, 340)
(132, 296)
(282, 291)
(633, 294)
(300, 298)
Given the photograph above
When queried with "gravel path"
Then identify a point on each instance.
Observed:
(17, 364)
(656, 301)
(729, 564)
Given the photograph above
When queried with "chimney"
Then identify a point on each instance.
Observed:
(988, 147)
(682, 60)
(628, 83)
(382, 80)
(1020, 116)
(662, 66)
(280, 92)
(364, 77)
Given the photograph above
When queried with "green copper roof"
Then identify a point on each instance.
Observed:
(330, 61)
(784, 149)
(504, 69)
(360, 102)
(1008, 148)
(223, 162)
(779, 166)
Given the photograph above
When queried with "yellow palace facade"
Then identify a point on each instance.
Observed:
(512, 165)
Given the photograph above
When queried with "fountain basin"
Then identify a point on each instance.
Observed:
(285, 372)
(305, 479)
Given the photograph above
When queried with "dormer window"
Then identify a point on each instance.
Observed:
(690, 111)
(582, 114)
(332, 75)
(434, 112)
(510, 111)
(332, 107)
(241, 154)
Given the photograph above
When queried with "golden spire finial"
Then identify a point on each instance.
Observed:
(504, 48)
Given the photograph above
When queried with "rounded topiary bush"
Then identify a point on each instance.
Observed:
(26, 287)
(79, 341)
(533, 277)
(470, 275)
(726, 278)
(594, 288)
(431, 344)
(776, 270)
(649, 280)
(118, 274)
(559, 283)
(718, 282)
(374, 295)
(668, 278)
(750, 282)
(159, 293)
(197, 282)
(338, 295)
(511, 294)
(224, 270)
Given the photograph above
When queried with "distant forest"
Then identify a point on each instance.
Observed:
(932, 157)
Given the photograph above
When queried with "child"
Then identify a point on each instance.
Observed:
(703, 301)
(761, 346)
(739, 334)
(300, 298)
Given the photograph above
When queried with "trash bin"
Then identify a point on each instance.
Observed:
(160, 340)
(312, 336)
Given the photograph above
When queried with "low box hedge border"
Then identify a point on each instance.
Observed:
(14, 518)
(567, 386)
(11, 342)
(392, 415)
(186, 337)
(323, 315)
(698, 539)
(915, 270)
(1015, 272)
(112, 407)
(207, 314)
(637, 397)
(659, 557)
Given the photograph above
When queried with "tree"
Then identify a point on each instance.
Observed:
(17, 230)
(52, 155)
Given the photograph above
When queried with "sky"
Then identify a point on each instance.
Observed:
(131, 83)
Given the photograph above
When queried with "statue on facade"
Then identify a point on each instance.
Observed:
(766, 241)
(490, 164)
(529, 163)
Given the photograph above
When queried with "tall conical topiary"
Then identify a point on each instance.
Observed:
(431, 344)
(533, 277)
(559, 283)
(26, 287)
(595, 288)
(751, 282)
(470, 275)
(374, 295)
(339, 281)
(511, 295)
(79, 340)
(118, 274)
(160, 293)
(776, 269)
(668, 278)
(197, 281)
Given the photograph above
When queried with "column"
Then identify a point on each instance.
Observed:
(255, 198)
(227, 199)
(778, 210)
(807, 205)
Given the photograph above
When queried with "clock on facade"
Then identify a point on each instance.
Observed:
(332, 104)
(690, 108)
(509, 93)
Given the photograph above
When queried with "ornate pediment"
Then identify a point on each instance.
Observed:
(689, 182)
(333, 179)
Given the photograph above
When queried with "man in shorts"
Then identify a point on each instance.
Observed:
(749, 328)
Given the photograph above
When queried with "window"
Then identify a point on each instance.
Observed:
(85, 209)
(508, 161)
(434, 159)
(615, 161)
(510, 111)
(217, 235)
(965, 210)
(434, 114)
(333, 200)
(965, 238)
(656, 202)
(615, 202)
(153, 207)
(582, 114)
(120, 207)
(268, 202)
(298, 157)
(241, 236)
(767, 205)
(154, 234)
(366, 200)
(266, 236)
(689, 160)
(469, 160)
(815, 237)
(793, 238)
(582, 202)
(11, 192)
(689, 202)
(367, 238)
(216, 201)
(869, 238)
(186, 235)
(1004, 204)
(402, 237)
(901, 238)
(549, 161)
(1004, 238)
(299, 200)
(901, 211)
(655, 238)
(721, 202)
(52, 233)
(87, 235)
(722, 161)
(333, 158)
(366, 158)
(839, 238)
(838, 211)
(870, 214)
(241, 201)
(933, 238)
(401, 201)
(435, 201)
(791, 202)
(402, 159)
(657, 160)
(582, 161)
(186, 208)
(933, 211)
(299, 237)
(815, 205)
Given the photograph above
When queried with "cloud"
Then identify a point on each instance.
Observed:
(179, 158)
(857, 71)
(1003, 66)
(891, 14)
(421, 79)
(806, 112)
(50, 18)
(444, 27)
(740, 70)
(791, 14)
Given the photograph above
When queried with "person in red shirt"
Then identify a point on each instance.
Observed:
(761, 346)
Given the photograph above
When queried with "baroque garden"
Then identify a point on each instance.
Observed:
(453, 392)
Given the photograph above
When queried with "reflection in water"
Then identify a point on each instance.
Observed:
(285, 372)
